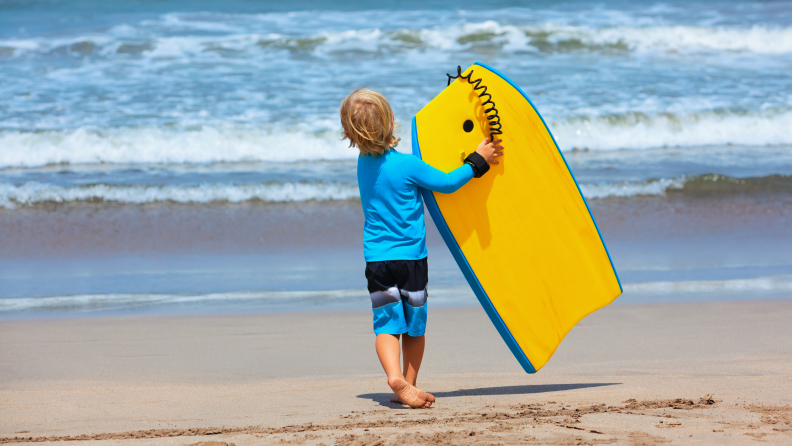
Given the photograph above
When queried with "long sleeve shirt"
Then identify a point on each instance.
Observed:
(391, 197)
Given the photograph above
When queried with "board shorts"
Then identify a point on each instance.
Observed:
(398, 296)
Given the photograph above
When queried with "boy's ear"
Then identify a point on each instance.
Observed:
(347, 135)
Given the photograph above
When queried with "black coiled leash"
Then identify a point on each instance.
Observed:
(493, 119)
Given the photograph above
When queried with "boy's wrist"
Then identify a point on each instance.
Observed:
(473, 166)
(478, 163)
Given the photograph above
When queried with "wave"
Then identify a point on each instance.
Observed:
(94, 302)
(290, 299)
(773, 284)
(548, 37)
(701, 185)
(233, 144)
(554, 37)
(714, 184)
(677, 39)
(33, 193)
(160, 146)
(455, 296)
(624, 189)
(645, 131)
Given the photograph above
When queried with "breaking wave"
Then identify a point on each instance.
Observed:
(700, 185)
(550, 36)
(656, 187)
(759, 284)
(272, 299)
(231, 144)
(33, 193)
(98, 302)
(446, 296)
(159, 146)
(645, 131)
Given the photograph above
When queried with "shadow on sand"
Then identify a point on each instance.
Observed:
(384, 398)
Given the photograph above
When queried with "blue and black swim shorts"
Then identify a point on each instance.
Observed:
(398, 295)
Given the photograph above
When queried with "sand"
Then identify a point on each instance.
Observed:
(705, 373)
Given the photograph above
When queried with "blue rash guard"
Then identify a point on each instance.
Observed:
(391, 198)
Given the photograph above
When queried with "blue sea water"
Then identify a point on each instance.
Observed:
(169, 103)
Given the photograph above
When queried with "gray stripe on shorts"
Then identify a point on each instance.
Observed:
(415, 299)
(382, 298)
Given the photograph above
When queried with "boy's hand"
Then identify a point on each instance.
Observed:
(490, 150)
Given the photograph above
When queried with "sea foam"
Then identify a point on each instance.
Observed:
(654, 187)
(155, 145)
(32, 193)
(232, 144)
(645, 131)
(12, 196)
(545, 37)
(770, 285)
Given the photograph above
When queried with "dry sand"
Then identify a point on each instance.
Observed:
(705, 373)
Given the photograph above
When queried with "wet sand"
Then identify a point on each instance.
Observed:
(93, 229)
(97, 249)
(709, 373)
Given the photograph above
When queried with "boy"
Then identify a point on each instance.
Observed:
(394, 236)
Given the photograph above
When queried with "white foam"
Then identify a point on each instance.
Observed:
(367, 40)
(32, 193)
(439, 295)
(154, 145)
(657, 187)
(45, 45)
(759, 39)
(697, 129)
(758, 284)
(88, 302)
(195, 22)
(689, 39)
(12, 196)
(227, 143)
(678, 39)
(93, 302)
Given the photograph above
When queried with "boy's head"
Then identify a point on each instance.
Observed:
(368, 122)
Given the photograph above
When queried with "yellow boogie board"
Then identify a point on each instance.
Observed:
(522, 234)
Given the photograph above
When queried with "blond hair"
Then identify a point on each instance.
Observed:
(368, 122)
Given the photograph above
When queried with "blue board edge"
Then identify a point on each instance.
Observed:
(504, 77)
(467, 271)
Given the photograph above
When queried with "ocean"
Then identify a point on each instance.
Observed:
(186, 156)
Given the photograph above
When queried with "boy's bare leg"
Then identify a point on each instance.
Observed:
(388, 352)
(413, 351)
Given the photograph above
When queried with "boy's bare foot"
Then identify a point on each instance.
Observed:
(409, 395)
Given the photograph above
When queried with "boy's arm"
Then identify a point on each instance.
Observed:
(428, 177)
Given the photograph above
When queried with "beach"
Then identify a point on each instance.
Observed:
(181, 230)
(703, 373)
